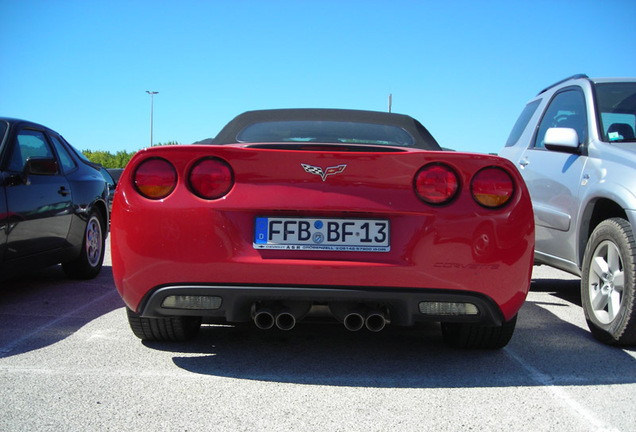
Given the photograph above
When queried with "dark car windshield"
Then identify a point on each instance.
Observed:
(326, 132)
(616, 103)
(3, 130)
(80, 155)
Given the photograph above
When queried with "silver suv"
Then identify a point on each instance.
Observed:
(574, 145)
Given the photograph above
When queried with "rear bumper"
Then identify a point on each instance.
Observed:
(234, 304)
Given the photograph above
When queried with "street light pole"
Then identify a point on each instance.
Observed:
(152, 96)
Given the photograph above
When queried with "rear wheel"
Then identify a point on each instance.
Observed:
(475, 336)
(164, 329)
(91, 257)
(607, 283)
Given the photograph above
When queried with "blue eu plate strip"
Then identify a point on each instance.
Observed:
(260, 233)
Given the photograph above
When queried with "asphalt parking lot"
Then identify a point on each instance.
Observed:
(68, 361)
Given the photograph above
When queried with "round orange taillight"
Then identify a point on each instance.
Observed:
(155, 178)
(436, 184)
(492, 187)
(211, 178)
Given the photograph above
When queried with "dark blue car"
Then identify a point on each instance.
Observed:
(53, 203)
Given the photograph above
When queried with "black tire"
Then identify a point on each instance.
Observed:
(475, 336)
(607, 282)
(89, 263)
(166, 329)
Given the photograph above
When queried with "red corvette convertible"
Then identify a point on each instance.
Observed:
(294, 213)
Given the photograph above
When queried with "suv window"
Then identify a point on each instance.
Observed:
(29, 143)
(522, 122)
(617, 104)
(566, 110)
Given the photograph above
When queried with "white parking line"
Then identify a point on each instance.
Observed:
(548, 383)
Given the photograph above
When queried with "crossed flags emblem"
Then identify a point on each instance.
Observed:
(327, 171)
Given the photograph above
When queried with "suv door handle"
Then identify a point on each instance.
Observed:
(524, 163)
(63, 191)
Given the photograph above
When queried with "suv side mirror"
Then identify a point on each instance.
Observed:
(562, 139)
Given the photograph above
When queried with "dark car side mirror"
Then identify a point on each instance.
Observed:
(32, 166)
(40, 166)
(562, 139)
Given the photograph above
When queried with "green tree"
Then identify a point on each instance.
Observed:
(122, 158)
(108, 160)
(117, 160)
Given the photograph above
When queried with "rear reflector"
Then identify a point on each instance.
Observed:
(492, 187)
(192, 302)
(436, 184)
(211, 178)
(155, 178)
(448, 308)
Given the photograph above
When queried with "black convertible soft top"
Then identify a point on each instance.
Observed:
(248, 124)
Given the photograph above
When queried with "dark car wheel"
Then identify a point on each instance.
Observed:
(607, 282)
(166, 329)
(475, 336)
(89, 263)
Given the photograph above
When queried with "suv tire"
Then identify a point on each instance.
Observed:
(607, 282)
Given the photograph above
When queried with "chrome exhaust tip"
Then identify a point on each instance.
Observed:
(263, 319)
(285, 320)
(353, 321)
(375, 321)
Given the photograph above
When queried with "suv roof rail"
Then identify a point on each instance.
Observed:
(577, 76)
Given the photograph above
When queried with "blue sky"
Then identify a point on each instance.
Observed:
(465, 69)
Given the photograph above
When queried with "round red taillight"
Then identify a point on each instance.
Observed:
(492, 187)
(436, 183)
(155, 178)
(211, 178)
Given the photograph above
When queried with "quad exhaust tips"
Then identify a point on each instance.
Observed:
(282, 316)
(355, 318)
(265, 319)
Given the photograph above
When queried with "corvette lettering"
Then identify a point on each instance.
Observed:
(324, 173)
(469, 266)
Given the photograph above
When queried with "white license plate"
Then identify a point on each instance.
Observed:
(366, 235)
